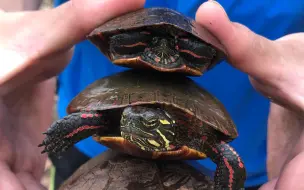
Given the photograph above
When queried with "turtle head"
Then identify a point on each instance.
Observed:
(151, 129)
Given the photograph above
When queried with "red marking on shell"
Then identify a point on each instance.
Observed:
(85, 115)
(225, 132)
(231, 172)
(80, 129)
(204, 138)
(136, 44)
(241, 165)
(97, 115)
(193, 54)
(188, 115)
(171, 146)
(101, 36)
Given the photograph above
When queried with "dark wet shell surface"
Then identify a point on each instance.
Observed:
(114, 171)
(135, 87)
(154, 18)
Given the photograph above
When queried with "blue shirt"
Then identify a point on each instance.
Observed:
(248, 108)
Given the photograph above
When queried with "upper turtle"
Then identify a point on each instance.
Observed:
(158, 38)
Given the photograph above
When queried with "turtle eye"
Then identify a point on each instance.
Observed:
(151, 123)
(129, 43)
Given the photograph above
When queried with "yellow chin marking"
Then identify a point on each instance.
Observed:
(164, 122)
(167, 142)
(153, 142)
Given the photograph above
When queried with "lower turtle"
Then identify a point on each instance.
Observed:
(112, 170)
(152, 115)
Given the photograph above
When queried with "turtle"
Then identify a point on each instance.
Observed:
(158, 38)
(152, 115)
(119, 171)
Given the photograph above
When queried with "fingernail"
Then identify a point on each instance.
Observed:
(218, 4)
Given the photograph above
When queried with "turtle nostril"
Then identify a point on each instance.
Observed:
(164, 43)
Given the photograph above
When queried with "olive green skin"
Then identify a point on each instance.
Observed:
(157, 21)
(113, 170)
(179, 94)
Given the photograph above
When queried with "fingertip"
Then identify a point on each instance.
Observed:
(88, 14)
(209, 7)
(212, 16)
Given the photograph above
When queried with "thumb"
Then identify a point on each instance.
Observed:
(60, 28)
(243, 47)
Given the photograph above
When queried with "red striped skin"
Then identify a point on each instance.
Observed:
(230, 173)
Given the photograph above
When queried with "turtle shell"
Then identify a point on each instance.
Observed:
(158, 22)
(175, 92)
(113, 170)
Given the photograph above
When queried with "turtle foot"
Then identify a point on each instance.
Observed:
(230, 172)
(64, 133)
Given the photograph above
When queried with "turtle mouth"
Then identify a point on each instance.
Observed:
(145, 141)
(162, 53)
(136, 132)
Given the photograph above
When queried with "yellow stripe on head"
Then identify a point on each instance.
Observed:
(167, 142)
(164, 122)
(153, 142)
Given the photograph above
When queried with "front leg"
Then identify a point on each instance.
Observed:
(71, 129)
(230, 172)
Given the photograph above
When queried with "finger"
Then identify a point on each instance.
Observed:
(8, 179)
(243, 46)
(22, 75)
(29, 182)
(270, 185)
(292, 176)
(62, 27)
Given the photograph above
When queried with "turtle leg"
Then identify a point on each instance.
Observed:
(230, 172)
(64, 133)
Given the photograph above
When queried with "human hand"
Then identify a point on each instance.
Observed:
(32, 42)
(35, 46)
(275, 69)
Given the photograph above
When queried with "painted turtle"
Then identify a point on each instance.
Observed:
(152, 115)
(158, 38)
(113, 170)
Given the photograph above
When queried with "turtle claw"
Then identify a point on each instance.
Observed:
(40, 145)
